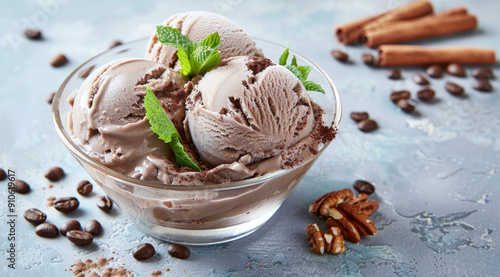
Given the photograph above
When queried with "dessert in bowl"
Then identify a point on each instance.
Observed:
(249, 126)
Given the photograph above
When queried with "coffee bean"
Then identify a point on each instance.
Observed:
(3, 175)
(93, 227)
(394, 74)
(50, 97)
(426, 94)
(420, 79)
(66, 204)
(340, 56)
(367, 125)
(364, 187)
(400, 94)
(80, 237)
(104, 203)
(54, 174)
(84, 187)
(34, 34)
(143, 251)
(46, 230)
(70, 226)
(405, 106)
(115, 43)
(86, 72)
(34, 216)
(58, 60)
(454, 88)
(482, 85)
(21, 186)
(483, 73)
(358, 116)
(368, 59)
(434, 71)
(456, 69)
(179, 251)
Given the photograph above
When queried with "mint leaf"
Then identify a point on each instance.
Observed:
(173, 37)
(212, 40)
(165, 129)
(203, 59)
(284, 55)
(195, 59)
(312, 86)
(300, 71)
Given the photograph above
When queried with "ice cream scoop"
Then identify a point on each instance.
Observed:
(108, 116)
(196, 26)
(248, 107)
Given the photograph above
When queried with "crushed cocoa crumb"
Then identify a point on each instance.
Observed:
(99, 268)
(156, 273)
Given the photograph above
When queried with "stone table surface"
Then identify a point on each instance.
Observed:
(437, 171)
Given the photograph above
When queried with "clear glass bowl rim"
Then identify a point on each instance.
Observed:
(68, 142)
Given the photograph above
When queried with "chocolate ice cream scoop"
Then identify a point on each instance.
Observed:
(248, 107)
(196, 26)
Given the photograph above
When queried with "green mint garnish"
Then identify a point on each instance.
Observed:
(301, 71)
(165, 129)
(195, 58)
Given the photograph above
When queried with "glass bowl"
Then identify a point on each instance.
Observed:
(172, 212)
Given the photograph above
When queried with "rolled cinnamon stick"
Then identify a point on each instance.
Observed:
(390, 55)
(453, 21)
(349, 32)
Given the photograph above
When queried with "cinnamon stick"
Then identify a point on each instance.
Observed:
(349, 32)
(390, 55)
(448, 22)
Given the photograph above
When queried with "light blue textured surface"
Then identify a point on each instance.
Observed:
(437, 173)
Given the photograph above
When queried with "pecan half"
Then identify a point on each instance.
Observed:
(316, 238)
(325, 205)
(337, 245)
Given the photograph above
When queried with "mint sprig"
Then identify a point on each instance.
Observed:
(165, 129)
(301, 71)
(195, 58)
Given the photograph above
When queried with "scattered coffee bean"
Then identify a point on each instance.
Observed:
(367, 125)
(144, 251)
(400, 94)
(50, 97)
(364, 187)
(66, 204)
(426, 94)
(104, 203)
(179, 251)
(21, 186)
(70, 226)
(340, 56)
(34, 34)
(84, 187)
(54, 174)
(46, 230)
(34, 216)
(84, 74)
(115, 43)
(58, 60)
(420, 79)
(93, 227)
(482, 85)
(454, 88)
(3, 175)
(405, 106)
(456, 69)
(483, 73)
(80, 237)
(434, 71)
(394, 74)
(368, 59)
(358, 116)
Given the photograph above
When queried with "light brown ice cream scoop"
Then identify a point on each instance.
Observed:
(108, 116)
(247, 106)
(196, 26)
